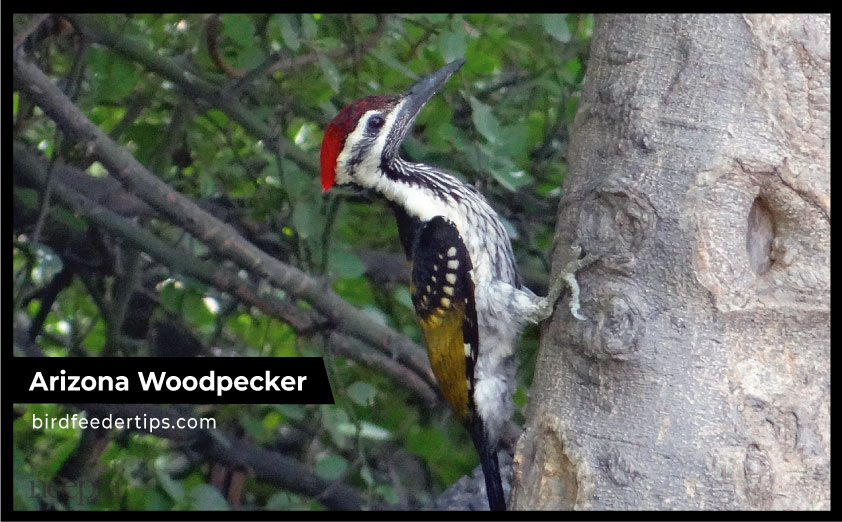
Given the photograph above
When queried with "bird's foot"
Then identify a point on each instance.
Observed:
(566, 278)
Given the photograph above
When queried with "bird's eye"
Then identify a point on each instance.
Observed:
(375, 122)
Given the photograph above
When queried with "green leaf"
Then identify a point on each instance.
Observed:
(172, 487)
(289, 32)
(171, 294)
(345, 264)
(95, 340)
(63, 450)
(332, 418)
(308, 136)
(331, 467)
(27, 197)
(280, 501)
(22, 480)
(331, 73)
(239, 29)
(402, 295)
(366, 430)
(250, 58)
(375, 314)
(388, 493)
(362, 393)
(112, 76)
(367, 475)
(146, 137)
(154, 500)
(207, 498)
(480, 57)
(573, 66)
(65, 217)
(555, 25)
(49, 263)
(484, 120)
(253, 426)
(515, 143)
(296, 181)
(272, 420)
(196, 311)
(386, 56)
(500, 167)
(511, 179)
(292, 411)
(307, 222)
(136, 499)
(429, 444)
(106, 117)
(452, 45)
(217, 116)
(586, 27)
(433, 18)
(309, 29)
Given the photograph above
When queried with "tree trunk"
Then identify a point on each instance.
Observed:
(700, 174)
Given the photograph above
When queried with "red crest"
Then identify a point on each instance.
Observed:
(342, 125)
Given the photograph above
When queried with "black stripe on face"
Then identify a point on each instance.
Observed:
(359, 152)
(373, 123)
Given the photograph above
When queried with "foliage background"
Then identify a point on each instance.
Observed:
(502, 123)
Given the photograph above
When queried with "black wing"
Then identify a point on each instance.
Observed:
(443, 296)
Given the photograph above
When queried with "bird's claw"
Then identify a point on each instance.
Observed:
(567, 277)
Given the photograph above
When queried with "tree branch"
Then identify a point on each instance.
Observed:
(124, 287)
(27, 165)
(266, 465)
(219, 236)
(193, 86)
(30, 28)
(279, 62)
(58, 283)
(270, 466)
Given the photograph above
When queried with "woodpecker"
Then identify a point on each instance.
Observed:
(469, 301)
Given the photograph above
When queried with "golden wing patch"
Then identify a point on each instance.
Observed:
(443, 296)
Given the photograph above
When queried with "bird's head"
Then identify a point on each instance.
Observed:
(368, 133)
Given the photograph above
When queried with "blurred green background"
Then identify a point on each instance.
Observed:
(502, 123)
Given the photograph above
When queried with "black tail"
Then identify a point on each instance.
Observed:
(490, 467)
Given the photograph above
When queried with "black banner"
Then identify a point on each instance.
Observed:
(173, 380)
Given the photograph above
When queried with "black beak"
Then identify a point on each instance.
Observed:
(424, 89)
(414, 99)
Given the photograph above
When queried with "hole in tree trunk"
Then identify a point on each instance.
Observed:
(760, 235)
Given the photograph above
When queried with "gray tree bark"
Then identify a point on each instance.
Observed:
(700, 174)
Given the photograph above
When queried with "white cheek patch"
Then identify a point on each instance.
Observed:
(366, 172)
